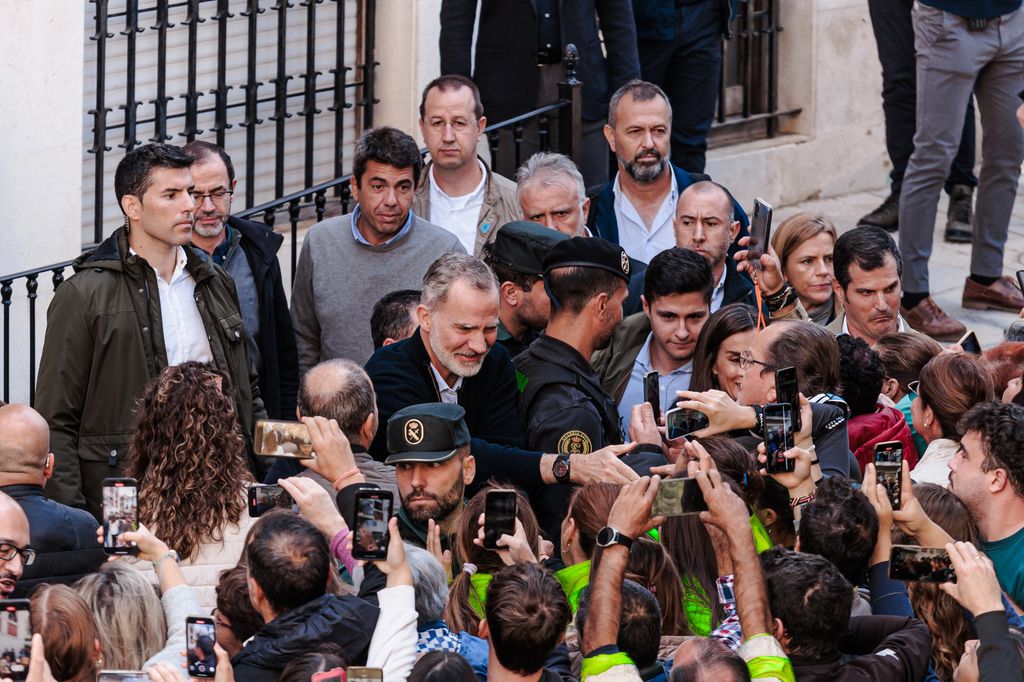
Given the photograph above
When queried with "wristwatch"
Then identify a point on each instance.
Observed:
(608, 536)
(169, 554)
(560, 469)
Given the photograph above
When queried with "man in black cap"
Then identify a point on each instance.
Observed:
(561, 401)
(516, 256)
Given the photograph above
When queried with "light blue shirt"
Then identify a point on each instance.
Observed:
(358, 236)
(676, 380)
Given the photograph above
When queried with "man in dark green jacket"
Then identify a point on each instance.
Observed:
(138, 303)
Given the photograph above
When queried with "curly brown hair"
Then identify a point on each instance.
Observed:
(189, 457)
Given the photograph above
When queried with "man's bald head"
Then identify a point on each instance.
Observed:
(709, 190)
(13, 531)
(341, 390)
(25, 445)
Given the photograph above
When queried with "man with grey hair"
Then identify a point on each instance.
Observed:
(340, 389)
(636, 208)
(551, 192)
(453, 358)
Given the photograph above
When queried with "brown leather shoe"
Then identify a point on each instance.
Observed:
(927, 317)
(1003, 294)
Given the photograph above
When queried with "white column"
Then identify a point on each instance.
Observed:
(41, 158)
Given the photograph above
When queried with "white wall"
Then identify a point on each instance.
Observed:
(41, 159)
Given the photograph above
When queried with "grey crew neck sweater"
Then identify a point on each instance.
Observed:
(338, 279)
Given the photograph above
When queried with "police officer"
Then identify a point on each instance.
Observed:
(562, 403)
(516, 256)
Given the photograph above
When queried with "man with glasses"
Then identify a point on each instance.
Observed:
(15, 554)
(247, 250)
(64, 537)
(457, 190)
(814, 353)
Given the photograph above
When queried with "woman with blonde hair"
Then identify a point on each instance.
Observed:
(188, 455)
(804, 244)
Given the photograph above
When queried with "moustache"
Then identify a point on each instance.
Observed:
(645, 152)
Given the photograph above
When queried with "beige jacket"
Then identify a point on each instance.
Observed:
(501, 205)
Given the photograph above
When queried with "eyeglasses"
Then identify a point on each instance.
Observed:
(459, 125)
(7, 552)
(746, 361)
(914, 387)
(216, 196)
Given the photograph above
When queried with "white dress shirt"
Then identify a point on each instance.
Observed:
(634, 237)
(184, 332)
(718, 294)
(458, 215)
(449, 395)
(668, 384)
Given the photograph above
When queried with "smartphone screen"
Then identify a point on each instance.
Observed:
(16, 633)
(123, 676)
(282, 439)
(969, 342)
(778, 437)
(760, 231)
(263, 498)
(652, 393)
(920, 564)
(499, 517)
(891, 478)
(356, 674)
(787, 390)
(889, 452)
(373, 510)
(681, 421)
(120, 514)
(678, 497)
(200, 636)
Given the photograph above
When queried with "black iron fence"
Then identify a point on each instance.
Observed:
(748, 89)
(178, 94)
(558, 125)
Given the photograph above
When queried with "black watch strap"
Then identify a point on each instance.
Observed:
(560, 469)
(609, 536)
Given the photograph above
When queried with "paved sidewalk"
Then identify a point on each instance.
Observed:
(950, 262)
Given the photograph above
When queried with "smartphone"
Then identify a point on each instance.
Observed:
(329, 676)
(372, 512)
(356, 674)
(263, 498)
(16, 631)
(889, 469)
(200, 636)
(680, 422)
(120, 514)
(969, 342)
(499, 517)
(1020, 279)
(787, 390)
(283, 439)
(678, 497)
(778, 437)
(123, 676)
(652, 393)
(760, 232)
(920, 564)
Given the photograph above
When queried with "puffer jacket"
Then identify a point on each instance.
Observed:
(884, 424)
(104, 342)
(345, 621)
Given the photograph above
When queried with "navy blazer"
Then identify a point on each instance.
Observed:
(402, 376)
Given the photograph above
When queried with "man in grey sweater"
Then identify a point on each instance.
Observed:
(347, 263)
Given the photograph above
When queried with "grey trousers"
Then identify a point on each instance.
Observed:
(953, 61)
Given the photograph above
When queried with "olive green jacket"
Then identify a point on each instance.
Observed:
(104, 343)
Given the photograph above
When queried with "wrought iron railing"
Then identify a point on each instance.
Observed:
(558, 126)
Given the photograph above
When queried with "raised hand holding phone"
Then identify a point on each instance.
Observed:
(976, 587)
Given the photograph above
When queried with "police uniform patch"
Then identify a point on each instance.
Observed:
(624, 262)
(413, 432)
(575, 443)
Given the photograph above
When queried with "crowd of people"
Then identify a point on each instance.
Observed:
(602, 353)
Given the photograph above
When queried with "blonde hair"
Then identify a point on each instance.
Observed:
(797, 229)
(129, 616)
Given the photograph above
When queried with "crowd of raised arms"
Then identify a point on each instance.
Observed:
(566, 423)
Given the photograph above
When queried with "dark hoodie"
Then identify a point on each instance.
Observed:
(346, 621)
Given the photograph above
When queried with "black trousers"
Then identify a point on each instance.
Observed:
(894, 36)
(688, 69)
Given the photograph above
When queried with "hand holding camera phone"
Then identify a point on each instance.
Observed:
(778, 438)
(373, 510)
(17, 635)
(678, 497)
(760, 232)
(681, 422)
(499, 517)
(120, 514)
(920, 564)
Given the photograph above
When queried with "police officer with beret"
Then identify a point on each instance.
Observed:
(516, 256)
(562, 403)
